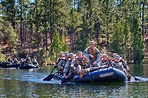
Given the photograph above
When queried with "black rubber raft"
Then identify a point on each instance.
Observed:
(20, 66)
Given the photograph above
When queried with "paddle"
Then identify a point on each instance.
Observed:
(134, 76)
(64, 80)
(50, 76)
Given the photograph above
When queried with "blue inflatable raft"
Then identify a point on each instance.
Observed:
(101, 75)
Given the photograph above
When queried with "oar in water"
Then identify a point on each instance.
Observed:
(50, 76)
(134, 76)
(64, 80)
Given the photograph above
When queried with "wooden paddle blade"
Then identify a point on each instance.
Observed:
(49, 77)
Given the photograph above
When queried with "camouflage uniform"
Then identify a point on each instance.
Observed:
(95, 53)
(68, 63)
(34, 62)
(121, 64)
(80, 65)
(105, 61)
(61, 62)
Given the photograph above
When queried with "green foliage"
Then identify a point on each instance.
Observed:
(9, 11)
(137, 41)
(120, 39)
(117, 21)
(55, 47)
(41, 54)
(8, 34)
(59, 44)
(63, 43)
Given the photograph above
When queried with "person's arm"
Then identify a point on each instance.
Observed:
(125, 65)
(72, 63)
(59, 65)
(66, 67)
(98, 56)
(86, 53)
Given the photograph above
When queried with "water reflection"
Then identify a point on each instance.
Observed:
(36, 90)
(140, 70)
(29, 84)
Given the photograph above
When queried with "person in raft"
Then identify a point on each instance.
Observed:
(79, 66)
(68, 63)
(105, 61)
(60, 64)
(120, 63)
(93, 55)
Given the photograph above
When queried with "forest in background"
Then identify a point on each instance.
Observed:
(44, 28)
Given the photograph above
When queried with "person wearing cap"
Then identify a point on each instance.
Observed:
(61, 62)
(62, 56)
(66, 55)
(15, 61)
(120, 59)
(68, 63)
(105, 61)
(120, 64)
(80, 65)
(35, 62)
(28, 60)
(9, 60)
(22, 61)
(93, 54)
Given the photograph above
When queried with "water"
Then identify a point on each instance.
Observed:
(16, 83)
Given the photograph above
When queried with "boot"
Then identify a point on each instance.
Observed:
(82, 73)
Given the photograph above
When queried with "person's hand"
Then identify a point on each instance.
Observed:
(64, 75)
(74, 68)
(94, 63)
(55, 66)
(71, 65)
(62, 68)
(127, 70)
(91, 56)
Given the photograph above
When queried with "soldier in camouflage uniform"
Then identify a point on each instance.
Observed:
(93, 54)
(105, 61)
(61, 62)
(119, 63)
(68, 63)
(80, 65)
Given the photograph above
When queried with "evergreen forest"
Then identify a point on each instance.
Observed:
(44, 28)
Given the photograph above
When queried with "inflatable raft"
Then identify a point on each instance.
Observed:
(101, 75)
(18, 65)
(28, 66)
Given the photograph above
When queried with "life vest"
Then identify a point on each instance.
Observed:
(63, 62)
(93, 52)
(119, 66)
(69, 63)
(81, 61)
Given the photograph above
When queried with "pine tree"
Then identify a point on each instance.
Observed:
(55, 47)
(8, 34)
(63, 43)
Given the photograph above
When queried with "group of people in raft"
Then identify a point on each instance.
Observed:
(22, 61)
(90, 59)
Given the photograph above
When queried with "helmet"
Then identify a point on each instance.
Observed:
(92, 42)
(71, 54)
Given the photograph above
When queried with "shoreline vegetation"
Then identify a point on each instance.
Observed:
(44, 28)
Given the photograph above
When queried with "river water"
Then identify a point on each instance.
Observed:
(17, 83)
